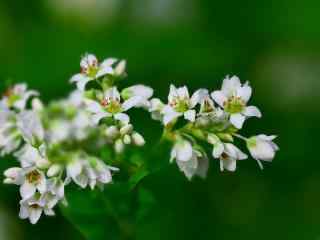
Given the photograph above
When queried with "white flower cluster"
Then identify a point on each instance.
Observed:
(216, 124)
(61, 143)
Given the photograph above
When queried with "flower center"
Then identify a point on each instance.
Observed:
(111, 105)
(234, 105)
(91, 69)
(34, 206)
(224, 156)
(180, 104)
(33, 176)
(207, 106)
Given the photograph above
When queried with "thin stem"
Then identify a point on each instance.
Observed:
(239, 136)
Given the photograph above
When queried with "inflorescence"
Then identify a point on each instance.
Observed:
(57, 144)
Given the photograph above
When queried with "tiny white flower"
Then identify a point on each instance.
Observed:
(90, 171)
(33, 207)
(17, 97)
(31, 127)
(233, 98)
(55, 186)
(197, 164)
(34, 180)
(112, 106)
(91, 70)
(180, 104)
(262, 148)
(229, 157)
(218, 146)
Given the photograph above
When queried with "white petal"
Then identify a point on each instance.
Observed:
(169, 114)
(203, 166)
(27, 190)
(108, 62)
(190, 115)
(230, 164)
(183, 92)
(74, 168)
(198, 97)
(24, 211)
(104, 70)
(219, 97)
(131, 102)
(217, 150)
(93, 106)
(35, 214)
(42, 185)
(81, 80)
(244, 92)
(237, 120)
(252, 111)
(98, 116)
(173, 93)
(49, 212)
(122, 117)
(230, 86)
(184, 151)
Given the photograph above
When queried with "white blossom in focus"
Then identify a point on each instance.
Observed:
(229, 157)
(180, 104)
(233, 98)
(91, 69)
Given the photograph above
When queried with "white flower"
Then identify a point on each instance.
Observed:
(17, 97)
(55, 186)
(90, 172)
(180, 104)
(233, 98)
(91, 70)
(111, 106)
(190, 161)
(30, 179)
(33, 207)
(262, 148)
(138, 139)
(229, 157)
(142, 91)
(29, 156)
(10, 136)
(31, 127)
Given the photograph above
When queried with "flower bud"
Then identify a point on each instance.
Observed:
(112, 132)
(127, 139)
(12, 175)
(126, 129)
(119, 146)
(262, 147)
(138, 139)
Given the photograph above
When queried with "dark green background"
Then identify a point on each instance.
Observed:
(274, 44)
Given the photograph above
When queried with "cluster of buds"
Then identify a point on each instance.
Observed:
(59, 143)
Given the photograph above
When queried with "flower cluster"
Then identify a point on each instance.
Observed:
(60, 143)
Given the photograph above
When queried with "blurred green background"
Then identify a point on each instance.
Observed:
(274, 44)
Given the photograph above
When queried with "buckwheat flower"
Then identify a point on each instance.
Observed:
(198, 165)
(29, 179)
(156, 107)
(90, 172)
(262, 148)
(230, 156)
(33, 207)
(17, 97)
(91, 70)
(10, 136)
(142, 91)
(180, 104)
(31, 127)
(218, 146)
(29, 156)
(112, 106)
(55, 186)
(233, 98)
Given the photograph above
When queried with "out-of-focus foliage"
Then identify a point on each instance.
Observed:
(274, 44)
